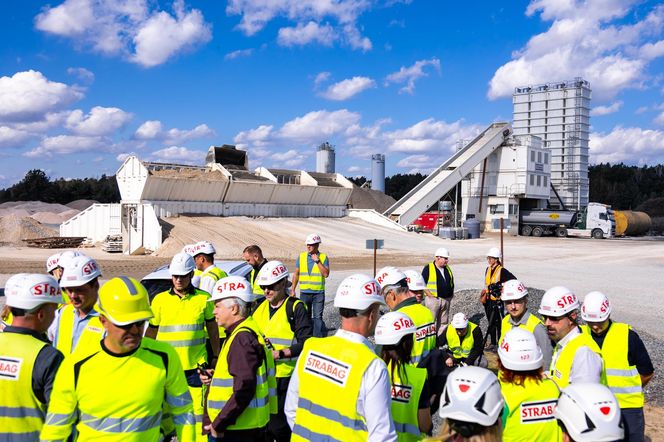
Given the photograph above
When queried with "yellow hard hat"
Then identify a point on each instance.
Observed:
(123, 301)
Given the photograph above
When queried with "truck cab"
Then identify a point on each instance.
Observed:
(596, 220)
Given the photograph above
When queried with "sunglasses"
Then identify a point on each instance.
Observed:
(552, 318)
(270, 287)
(139, 324)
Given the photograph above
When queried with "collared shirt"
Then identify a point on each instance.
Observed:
(79, 325)
(373, 401)
(586, 366)
(310, 266)
(207, 284)
(257, 268)
(541, 336)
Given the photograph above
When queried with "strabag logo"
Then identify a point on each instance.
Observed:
(401, 393)
(10, 368)
(425, 331)
(327, 368)
(537, 412)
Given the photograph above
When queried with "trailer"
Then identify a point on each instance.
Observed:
(594, 221)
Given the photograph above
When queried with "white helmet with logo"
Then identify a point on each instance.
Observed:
(313, 238)
(472, 394)
(204, 247)
(519, 350)
(390, 276)
(558, 301)
(459, 320)
(494, 252)
(393, 326)
(232, 287)
(52, 262)
(415, 280)
(590, 413)
(596, 307)
(67, 256)
(271, 272)
(189, 249)
(442, 252)
(181, 264)
(29, 291)
(513, 290)
(358, 292)
(79, 271)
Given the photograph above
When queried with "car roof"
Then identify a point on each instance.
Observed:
(238, 268)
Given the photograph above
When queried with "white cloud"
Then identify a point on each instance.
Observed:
(68, 144)
(10, 137)
(254, 137)
(28, 96)
(238, 54)
(348, 88)
(290, 159)
(304, 34)
(322, 77)
(149, 130)
(641, 110)
(177, 154)
(356, 169)
(411, 74)
(418, 164)
(318, 125)
(100, 121)
(627, 144)
(123, 156)
(82, 74)
(430, 136)
(650, 51)
(659, 119)
(606, 110)
(153, 130)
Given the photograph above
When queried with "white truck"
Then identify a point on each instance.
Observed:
(594, 221)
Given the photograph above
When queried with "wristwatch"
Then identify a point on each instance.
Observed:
(281, 354)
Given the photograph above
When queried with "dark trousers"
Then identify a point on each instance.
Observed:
(315, 303)
(494, 315)
(278, 429)
(253, 435)
(634, 423)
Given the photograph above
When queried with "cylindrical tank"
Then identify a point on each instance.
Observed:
(447, 233)
(547, 217)
(378, 172)
(473, 227)
(325, 158)
(631, 223)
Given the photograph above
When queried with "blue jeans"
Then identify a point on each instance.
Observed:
(634, 423)
(315, 303)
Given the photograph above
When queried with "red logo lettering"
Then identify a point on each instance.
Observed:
(370, 288)
(89, 268)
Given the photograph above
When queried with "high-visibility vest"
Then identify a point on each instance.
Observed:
(622, 378)
(406, 392)
(89, 339)
(492, 278)
(330, 372)
(21, 413)
(313, 281)
(532, 322)
(255, 287)
(209, 277)
(561, 363)
(196, 279)
(181, 323)
(529, 411)
(460, 349)
(257, 414)
(424, 339)
(65, 298)
(432, 283)
(277, 330)
(120, 398)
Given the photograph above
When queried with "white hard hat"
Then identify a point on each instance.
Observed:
(513, 290)
(358, 292)
(313, 238)
(389, 276)
(52, 262)
(459, 320)
(596, 307)
(189, 249)
(181, 264)
(519, 350)
(415, 280)
(67, 256)
(558, 301)
(442, 251)
(29, 291)
(590, 413)
(232, 287)
(472, 394)
(79, 271)
(393, 326)
(203, 247)
(271, 272)
(494, 252)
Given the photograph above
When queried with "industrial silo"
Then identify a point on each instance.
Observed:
(378, 172)
(325, 158)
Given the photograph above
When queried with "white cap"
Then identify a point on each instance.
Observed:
(389, 276)
(203, 247)
(358, 292)
(415, 280)
(79, 271)
(590, 413)
(393, 326)
(513, 290)
(232, 287)
(189, 249)
(29, 291)
(52, 262)
(181, 264)
(442, 251)
(313, 238)
(67, 256)
(494, 252)
(459, 321)
(271, 272)
(558, 301)
(519, 350)
(596, 307)
(472, 394)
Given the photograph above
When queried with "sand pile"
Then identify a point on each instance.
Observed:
(81, 204)
(54, 218)
(14, 228)
(44, 213)
(363, 198)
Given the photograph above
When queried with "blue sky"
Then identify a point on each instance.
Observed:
(84, 83)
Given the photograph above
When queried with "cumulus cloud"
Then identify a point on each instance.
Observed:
(100, 121)
(627, 144)
(304, 34)
(318, 125)
(348, 88)
(149, 130)
(417, 163)
(659, 119)
(67, 144)
(409, 75)
(238, 54)
(153, 130)
(10, 137)
(83, 75)
(123, 156)
(177, 154)
(606, 110)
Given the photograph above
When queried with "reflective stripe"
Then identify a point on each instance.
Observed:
(216, 382)
(307, 434)
(332, 415)
(130, 285)
(185, 419)
(59, 419)
(180, 328)
(185, 342)
(272, 392)
(20, 437)
(121, 424)
(280, 341)
(625, 390)
(624, 373)
(178, 401)
(20, 412)
(255, 403)
(407, 428)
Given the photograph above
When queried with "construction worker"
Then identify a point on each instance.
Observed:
(203, 255)
(311, 269)
(626, 361)
(253, 255)
(286, 325)
(124, 388)
(189, 249)
(495, 276)
(340, 388)
(52, 266)
(416, 285)
(472, 407)
(410, 387)
(515, 301)
(63, 260)
(78, 324)
(241, 396)
(589, 412)
(398, 297)
(440, 283)
(530, 397)
(181, 317)
(576, 357)
(464, 342)
(28, 363)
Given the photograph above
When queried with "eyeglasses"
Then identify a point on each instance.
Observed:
(139, 324)
(181, 276)
(270, 287)
(552, 318)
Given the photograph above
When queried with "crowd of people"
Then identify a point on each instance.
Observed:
(228, 358)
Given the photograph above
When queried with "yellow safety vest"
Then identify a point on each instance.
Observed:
(277, 330)
(460, 349)
(561, 364)
(623, 379)
(330, 372)
(21, 413)
(432, 283)
(255, 287)
(532, 322)
(492, 278)
(313, 281)
(120, 398)
(89, 339)
(181, 323)
(405, 401)
(424, 339)
(257, 414)
(528, 413)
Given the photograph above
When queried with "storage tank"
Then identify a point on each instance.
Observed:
(548, 217)
(378, 172)
(631, 223)
(473, 227)
(325, 158)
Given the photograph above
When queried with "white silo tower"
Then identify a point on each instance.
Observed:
(325, 158)
(378, 172)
